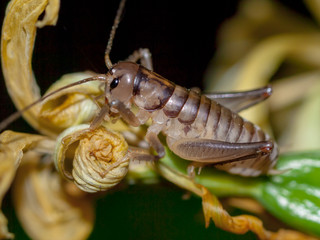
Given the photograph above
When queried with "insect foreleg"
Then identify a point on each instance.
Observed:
(104, 111)
(218, 152)
(144, 55)
(126, 114)
(238, 101)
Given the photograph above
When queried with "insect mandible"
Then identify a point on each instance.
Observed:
(203, 128)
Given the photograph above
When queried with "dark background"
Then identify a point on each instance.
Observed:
(181, 36)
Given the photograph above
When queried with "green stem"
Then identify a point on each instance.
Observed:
(219, 183)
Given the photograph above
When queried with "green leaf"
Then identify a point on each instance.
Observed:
(294, 196)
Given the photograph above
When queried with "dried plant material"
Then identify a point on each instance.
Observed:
(305, 124)
(213, 209)
(255, 22)
(248, 58)
(314, 7)
(97, 159)
(71, 106)
(44, 208)
(243, 223)
(7, 172)
(12, 148)
(295, 116)
(18, 36)
(247, 204)
(262, 62)
(289, 47)
(100, 160)
(51, 16)
(299, 84)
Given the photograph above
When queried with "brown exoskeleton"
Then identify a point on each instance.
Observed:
(197, 127)
(205, 129)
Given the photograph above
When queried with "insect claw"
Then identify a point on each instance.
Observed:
(191, 170)
(278, 171)
(268, 92)
(266, 150)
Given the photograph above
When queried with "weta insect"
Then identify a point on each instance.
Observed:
(197, 127)
(205, 129)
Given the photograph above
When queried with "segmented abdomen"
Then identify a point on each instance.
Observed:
(186, 114)
(195, 116)
(208, 119)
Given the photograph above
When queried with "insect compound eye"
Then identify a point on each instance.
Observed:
(114, 83)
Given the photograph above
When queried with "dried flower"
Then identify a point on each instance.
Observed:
(18, 36)
(97, 159)
(44, 207)
(71, 106)
(12, 148)
(100, 158)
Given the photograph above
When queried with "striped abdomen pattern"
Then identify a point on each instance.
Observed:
(195, 116)
(215, 121)
(186, 114)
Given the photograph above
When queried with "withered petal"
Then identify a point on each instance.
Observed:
(44, 207)
(13, 145)
(100, 160)
(17, 41)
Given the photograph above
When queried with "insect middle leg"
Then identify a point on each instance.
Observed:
(144, 55)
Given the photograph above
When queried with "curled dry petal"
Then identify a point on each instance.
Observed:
(44, 207)
(71, 106)
(17, 40)
(12, 148)
(51, 16)
(7, 171)
(213, 209)
(100, 160)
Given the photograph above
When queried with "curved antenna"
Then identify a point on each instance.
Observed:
(113, 33)
(19, 113)
(16, 115)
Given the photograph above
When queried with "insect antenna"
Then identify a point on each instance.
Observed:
(16, 115)
(112, 34)
(19, 113)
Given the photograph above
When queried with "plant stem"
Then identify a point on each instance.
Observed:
(219, 183)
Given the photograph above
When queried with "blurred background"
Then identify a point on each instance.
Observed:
(182, 37)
